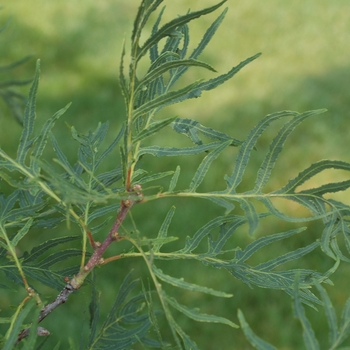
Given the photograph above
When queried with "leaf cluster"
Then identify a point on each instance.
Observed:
(47, 192)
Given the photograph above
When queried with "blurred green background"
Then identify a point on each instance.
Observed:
(305, 65)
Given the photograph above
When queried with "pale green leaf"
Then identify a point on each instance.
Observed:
(204, 166)
(192, 128)
(251, 214)
(276, 147)
(264, 241)
(253, 339)
(213, 83)
(174, 179)
(174, 151)
(42, 140)
(165, 67)
(197, 316)
(12, 334)
(154, 177)
(168, 28)
(116, 332)
(22, 232)
(246, 148)
(193, 242)
(29, 117)
(43, 247)
(153, 128)
(330, 313)
(310, 340)
(201, 46)
(311, 171)
(293, 255)
(165, 99)
(153, 52)
(122, 81)
(344, 327)
(110, 148)
(180, 283)
(221, 202)
(163, 231)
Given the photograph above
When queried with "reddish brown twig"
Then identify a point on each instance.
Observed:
(96, 259)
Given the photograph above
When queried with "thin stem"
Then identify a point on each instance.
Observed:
(12, 251)
(158, 286)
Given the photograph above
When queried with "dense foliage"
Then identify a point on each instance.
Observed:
(48, 192)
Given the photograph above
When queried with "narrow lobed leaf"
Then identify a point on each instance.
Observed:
(29, 117)
(197, 316)
(180, 283)
(168, 28)
(253, 339)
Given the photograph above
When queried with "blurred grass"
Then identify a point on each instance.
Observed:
(305, 65)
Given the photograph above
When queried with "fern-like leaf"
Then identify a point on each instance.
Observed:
(126, 312)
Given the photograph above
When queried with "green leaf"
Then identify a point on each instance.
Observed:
(174, 179)
(111, 147)
(34, 331)
(44, 247)
(193, 242)
(122, 81)
(344, 327)
(197, 316)
(330, 313)
(126, 324)
(276, 148)
(201, 46)
(226, 231)
(311, 171)
(28, 122)
(310, 340)
(191, 128)
(163, 231)
(213, 83)
(154, 177)
(167, 29)
(253, 247)
(293, 255)
(12, 334)
(165, 67)
(153, 128)
(180, 283)
(246, 148)
(220, 201)
(251, 214)
(94, 309)
(42, 140)
(174, 151)
(204, 166)
(22, 232)
(253, 339)
(165, 99)
(187, 341)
